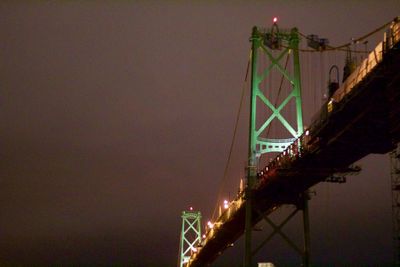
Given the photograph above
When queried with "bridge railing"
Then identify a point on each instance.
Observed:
(394, 33)
(230, 208)
(391, 37)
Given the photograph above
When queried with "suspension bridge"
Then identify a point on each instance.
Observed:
(360, 116)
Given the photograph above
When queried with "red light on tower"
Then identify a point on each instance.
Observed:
(275, 20)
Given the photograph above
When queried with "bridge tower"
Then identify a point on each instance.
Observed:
(190, 235)
(274, 44)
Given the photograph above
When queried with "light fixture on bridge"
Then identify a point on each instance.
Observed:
(272, 38)
(226, 204)
(210, 225)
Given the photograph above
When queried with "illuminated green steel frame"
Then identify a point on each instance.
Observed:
(190, 235)
(259, 145)
(287, 42)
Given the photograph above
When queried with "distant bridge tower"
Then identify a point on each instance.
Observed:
(190, 235)
(275, 45)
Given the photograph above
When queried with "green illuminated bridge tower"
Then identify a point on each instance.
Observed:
(190, 235)
(277, 46)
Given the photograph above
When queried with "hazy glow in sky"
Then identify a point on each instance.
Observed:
(116, 116)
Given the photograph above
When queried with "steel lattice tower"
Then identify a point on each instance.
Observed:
(395, 186)
(190, 235)
(286, 43)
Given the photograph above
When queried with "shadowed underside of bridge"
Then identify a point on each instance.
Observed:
(366, 120)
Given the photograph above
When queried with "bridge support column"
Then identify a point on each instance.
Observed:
(273, 44)
(306, 224)
(301, 205)
(248, 219)
(252, 151)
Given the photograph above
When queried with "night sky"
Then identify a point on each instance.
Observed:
(118, 115)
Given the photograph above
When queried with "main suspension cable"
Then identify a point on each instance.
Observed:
(233, 139)
(345, 46)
